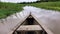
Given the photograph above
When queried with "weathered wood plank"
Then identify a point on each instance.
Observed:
(29, 27)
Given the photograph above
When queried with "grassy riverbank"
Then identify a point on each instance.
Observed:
(7, 9)
(48, 5)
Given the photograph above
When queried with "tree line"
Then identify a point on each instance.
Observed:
(49, 0)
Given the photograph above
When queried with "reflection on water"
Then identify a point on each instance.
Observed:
(50, 18)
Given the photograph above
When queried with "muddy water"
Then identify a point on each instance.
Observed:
(49, 18)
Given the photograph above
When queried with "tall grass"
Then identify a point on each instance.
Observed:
(47, 5)
(7, 9)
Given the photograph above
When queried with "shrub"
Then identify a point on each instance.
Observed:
(53, 0)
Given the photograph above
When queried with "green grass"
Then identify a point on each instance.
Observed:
(7, 9)
(48, 5)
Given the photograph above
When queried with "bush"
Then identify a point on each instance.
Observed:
(49, 0)
(53, 0)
